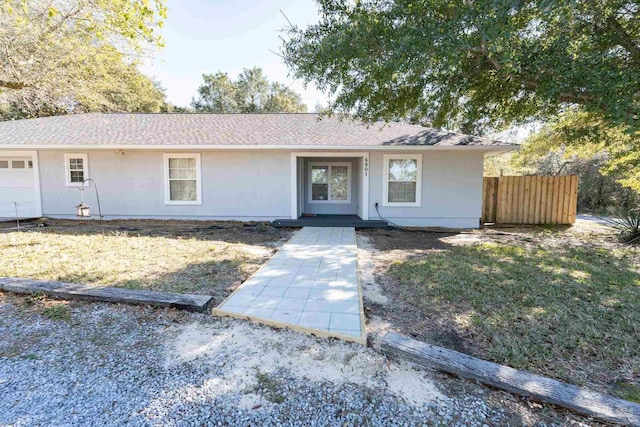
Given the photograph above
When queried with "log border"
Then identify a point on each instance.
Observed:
(74, 291)
(581, 400)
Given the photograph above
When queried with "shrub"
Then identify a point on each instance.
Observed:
(627, 223)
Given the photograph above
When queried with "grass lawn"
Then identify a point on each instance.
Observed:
(554, 302)
(174, 256)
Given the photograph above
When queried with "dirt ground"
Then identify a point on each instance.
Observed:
(233, 231)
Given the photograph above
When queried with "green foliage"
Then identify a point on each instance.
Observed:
(500, 164)
(77, 55)
(216, 94)
(577, 136)
(56, 312)
(168, 107)
(250, 93)
(597, 192)
(627, 223)
(109, 84)
(117, 86)
(627, 391)
(470, 65)
(457, 63)
(270, 387)
(281, 98)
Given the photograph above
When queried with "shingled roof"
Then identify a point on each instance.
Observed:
(246, 130)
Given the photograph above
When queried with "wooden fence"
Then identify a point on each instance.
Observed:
(530, 199)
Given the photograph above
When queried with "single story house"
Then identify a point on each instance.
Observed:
(246, 167)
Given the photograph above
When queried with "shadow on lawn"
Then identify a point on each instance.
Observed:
(570, 312)
(215, 278)
(172, 256)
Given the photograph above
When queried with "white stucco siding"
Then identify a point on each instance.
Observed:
(256, 185)
(451, 193)
(241, 185)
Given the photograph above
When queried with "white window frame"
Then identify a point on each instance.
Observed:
(67, 168)
(167, 194)
(385, 188)
(10, 161)
(329, 165)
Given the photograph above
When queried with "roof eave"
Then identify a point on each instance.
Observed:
(254, 147)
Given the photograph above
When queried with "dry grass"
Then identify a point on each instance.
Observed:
(555, 302)
(186, 257)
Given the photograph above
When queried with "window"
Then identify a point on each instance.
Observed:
(319, 182)
(402, 178)
(182, 179)
(16, 164)
(330, 183)
(77, 169)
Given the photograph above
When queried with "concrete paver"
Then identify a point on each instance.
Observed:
(310, 285)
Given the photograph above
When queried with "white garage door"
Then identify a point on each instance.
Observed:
(18, 187)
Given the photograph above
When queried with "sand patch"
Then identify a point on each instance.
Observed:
(463, 239)
(371, 289)
(242, 349)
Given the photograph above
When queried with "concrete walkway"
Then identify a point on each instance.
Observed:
(311, 285)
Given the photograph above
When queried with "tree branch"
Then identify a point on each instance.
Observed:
(624, 38)
(485, 52)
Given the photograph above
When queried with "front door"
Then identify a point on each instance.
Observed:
(329, 187)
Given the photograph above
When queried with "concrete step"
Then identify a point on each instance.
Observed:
(320, 222)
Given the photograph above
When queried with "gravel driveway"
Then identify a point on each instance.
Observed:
(100, 364)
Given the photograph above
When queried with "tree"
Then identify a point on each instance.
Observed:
(77, 55)
(168, 107)
(599, 189)
(217, 94)
(281, 98)
(109, 84)
(455, 63)
(581, 136)
(45, 44)
(250, 93)
(320, 108)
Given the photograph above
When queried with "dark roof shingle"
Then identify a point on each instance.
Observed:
(247, 130)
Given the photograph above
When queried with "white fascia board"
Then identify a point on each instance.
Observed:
(260, 147)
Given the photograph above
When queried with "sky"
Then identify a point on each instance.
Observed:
(207, 36)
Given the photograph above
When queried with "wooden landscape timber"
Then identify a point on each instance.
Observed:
(74, 291)
(583, 401)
